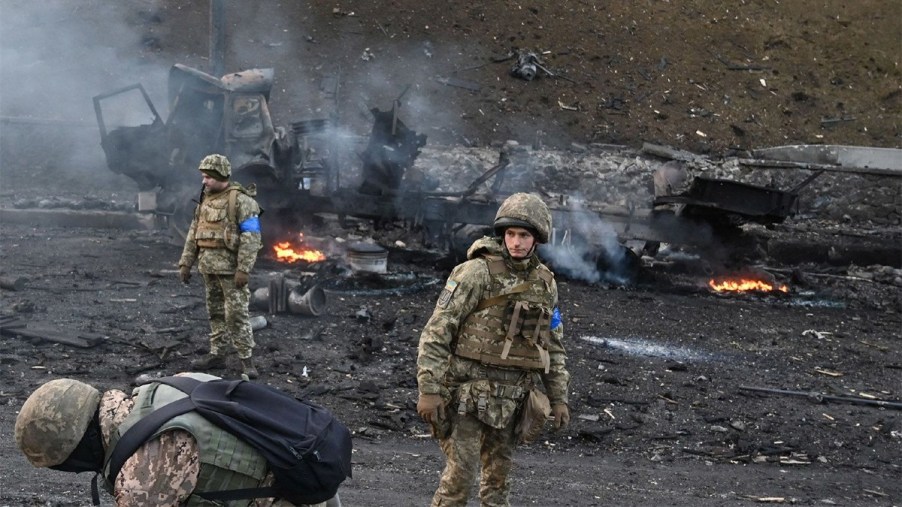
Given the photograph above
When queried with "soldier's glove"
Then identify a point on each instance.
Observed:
(185, 274)
(241, 279)
(429, 406)
(561, 414)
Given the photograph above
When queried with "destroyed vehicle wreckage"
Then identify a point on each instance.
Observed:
(297, 171)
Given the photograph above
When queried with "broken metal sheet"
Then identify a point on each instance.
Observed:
(861, 157)
(720, 198)
(40, 332)
(78, 218)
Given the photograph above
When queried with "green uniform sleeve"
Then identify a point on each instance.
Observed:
(557, 380)
(462, 292)
(189, 252)
(249, 243)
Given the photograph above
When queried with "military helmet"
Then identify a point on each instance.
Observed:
(53, 420)
(216, 166)
(527, 211)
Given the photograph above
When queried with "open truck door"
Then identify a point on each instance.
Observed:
(206, 115)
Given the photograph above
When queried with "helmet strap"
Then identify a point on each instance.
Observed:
(88, 454)
(507, 255)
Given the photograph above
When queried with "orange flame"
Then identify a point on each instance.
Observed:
(286, 252)
(744, 285)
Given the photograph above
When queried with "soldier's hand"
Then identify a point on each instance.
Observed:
(185, 274)
(561, 415)
(241, 279)
(429, 406)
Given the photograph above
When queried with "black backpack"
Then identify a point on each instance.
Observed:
(308, 451)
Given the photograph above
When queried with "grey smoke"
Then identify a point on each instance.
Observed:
(53, 60)
(575, 253)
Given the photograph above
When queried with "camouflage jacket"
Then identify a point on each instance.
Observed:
(468, 285)
(165, 470)
(244, 241)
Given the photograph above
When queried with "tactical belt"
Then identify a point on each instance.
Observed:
(210, 243)
(499, 391)
(502, 374)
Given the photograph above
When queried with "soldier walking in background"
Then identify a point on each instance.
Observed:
(224, 239)
(494, 336)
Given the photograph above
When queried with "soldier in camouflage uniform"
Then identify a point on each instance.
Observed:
(224, 238)
(70, 426)
(495, 334)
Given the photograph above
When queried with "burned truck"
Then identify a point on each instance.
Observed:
(296, 169)
(298, 172)
(207, 115)
(228, 115)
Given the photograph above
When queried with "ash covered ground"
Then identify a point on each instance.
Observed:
(660, 413)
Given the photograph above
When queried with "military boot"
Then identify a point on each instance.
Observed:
(209, 362)
(247, 368)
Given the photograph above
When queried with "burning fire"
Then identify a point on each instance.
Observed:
(287, 252)
(744, 285)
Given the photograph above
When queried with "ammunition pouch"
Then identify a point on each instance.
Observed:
(493, 403)
(533, 417)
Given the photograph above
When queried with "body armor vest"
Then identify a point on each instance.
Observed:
(226, 461)
(511, 327)
(217, 225)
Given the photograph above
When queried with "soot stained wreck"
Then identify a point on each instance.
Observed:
(302, 172)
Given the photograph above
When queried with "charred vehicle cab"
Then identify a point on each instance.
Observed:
(206, 115)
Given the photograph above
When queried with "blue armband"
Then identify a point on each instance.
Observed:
(556, 318)
(251, 224)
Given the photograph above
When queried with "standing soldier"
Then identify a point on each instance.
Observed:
(494, 336)
(224, 238)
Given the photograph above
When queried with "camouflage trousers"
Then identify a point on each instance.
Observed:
(229, 320)
(470, 444)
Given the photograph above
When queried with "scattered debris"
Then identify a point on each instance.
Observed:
(820, 397)
(528, 65)
(13, 282)
(766, 499)
(286, 295)
(12, 326)
(258, 322)
(820, 335)
(566, 107)
(459, 83)
(734, 66)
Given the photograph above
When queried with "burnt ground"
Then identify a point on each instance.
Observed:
(659, 414)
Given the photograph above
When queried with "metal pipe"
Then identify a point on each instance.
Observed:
(217, 37)
(820, 397)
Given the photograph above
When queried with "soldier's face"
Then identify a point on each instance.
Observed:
(519, 242)
(212, 184)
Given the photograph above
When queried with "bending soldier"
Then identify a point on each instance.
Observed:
(70, 426)
(494, 336)
(224, 238)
